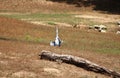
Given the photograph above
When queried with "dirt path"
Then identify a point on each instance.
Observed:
(101, 18)
(46, 24)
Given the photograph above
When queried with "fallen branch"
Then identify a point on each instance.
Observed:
(80, 62)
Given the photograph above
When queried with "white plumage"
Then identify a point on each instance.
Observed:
(57, 41)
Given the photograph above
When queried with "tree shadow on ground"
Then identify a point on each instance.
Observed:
(109, 6)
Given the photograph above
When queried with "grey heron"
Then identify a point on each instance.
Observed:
(57, 41)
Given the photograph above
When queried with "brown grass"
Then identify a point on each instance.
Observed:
(18, 55)
(21, 43)
(35, 6)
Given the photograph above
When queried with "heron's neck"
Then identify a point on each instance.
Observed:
(57, 33)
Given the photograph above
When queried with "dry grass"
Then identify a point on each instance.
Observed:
(21, 42)
(26, 62)
(35, 6)
(80, 39)
(19, 50)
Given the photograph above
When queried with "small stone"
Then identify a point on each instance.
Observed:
(22, 74)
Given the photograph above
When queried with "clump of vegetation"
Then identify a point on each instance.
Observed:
(51, 23)
(30, 38)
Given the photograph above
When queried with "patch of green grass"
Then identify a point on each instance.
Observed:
(94, 42)
(109, 50)
(26, 38)
(51, 23)
(8, 38)
(30, 38)
(54, 17)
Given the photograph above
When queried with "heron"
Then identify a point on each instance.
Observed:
(57, 41)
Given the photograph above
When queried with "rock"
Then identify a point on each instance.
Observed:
(52, 71)
(118, 23)
(22, 74)
(81, 26)
(100, 28)
(118, 32)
